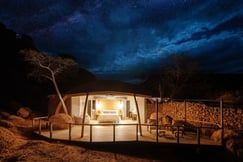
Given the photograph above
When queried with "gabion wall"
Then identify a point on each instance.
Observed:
(200, 113)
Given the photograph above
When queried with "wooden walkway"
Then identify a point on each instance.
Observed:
(125, 131)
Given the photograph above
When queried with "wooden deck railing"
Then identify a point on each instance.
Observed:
(91, 130)
(42, 122)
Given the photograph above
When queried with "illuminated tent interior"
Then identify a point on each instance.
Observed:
(104, 101)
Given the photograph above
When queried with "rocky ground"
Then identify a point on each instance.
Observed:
(17, 143)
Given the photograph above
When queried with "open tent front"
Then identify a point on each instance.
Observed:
(103, 102)
(107, 107)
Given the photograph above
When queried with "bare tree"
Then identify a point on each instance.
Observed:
(178, 69)
(48, 67)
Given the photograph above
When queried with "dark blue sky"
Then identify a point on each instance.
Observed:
(126, 37)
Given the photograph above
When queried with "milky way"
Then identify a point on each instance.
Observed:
(130, 37)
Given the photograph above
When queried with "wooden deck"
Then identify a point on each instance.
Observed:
(125, 131)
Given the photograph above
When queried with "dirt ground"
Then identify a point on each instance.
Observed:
(17, 143)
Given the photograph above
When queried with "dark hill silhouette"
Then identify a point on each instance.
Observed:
(203, 85)
(14, 82)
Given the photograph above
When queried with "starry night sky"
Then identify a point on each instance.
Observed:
(124, 38)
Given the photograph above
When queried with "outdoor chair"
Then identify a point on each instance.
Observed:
(167, 122)
(151, 122)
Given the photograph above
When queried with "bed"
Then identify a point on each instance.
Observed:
(109, 116)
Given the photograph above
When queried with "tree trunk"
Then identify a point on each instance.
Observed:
(59, 94)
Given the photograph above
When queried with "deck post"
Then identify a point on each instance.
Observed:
(222, 121)
(178, 134)
(51, 130)
(137, 132)
(39, 126)
(139, 119)
(114, 133)
(70, 131)
(84, 114)
(33, 124)
(198, 136)
(90, 133)
(185, 110)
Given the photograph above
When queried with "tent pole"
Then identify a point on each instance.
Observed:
(84, 114)
(139, 120)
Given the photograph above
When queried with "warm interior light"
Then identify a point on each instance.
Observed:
(120, 104)
(98, 105)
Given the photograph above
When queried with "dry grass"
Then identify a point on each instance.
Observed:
(7, 139)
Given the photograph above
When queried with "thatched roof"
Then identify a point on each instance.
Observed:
(109, 85)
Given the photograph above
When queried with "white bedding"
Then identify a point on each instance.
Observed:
(109, 116)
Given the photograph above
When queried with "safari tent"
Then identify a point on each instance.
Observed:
(103, 101)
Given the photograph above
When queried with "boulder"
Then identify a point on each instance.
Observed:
(6, 123)
(79, 120)
(216, 136)
(4, 114)
(154, 115)
(235, 146)
(24, 112)
(61, 120)
(15, 118)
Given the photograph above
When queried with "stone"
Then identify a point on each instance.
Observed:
(4, 114)
(61, 120)
(24, 112)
